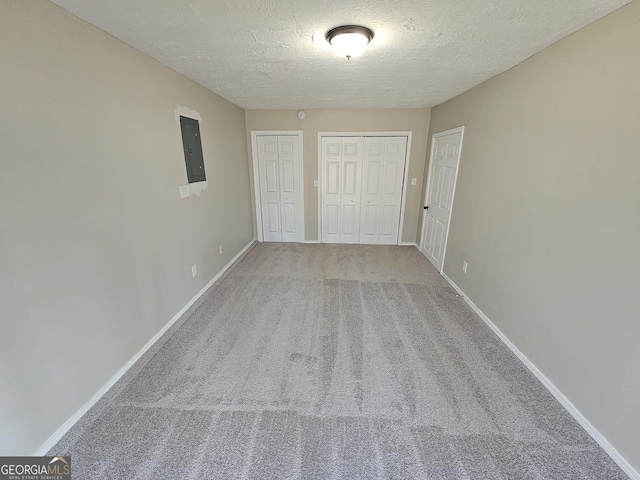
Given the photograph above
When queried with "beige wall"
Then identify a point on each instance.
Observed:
(547, 213)
(96, 245)
(414, 120)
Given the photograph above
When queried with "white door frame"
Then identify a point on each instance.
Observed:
(256, 173)
(405, 181)
(459, 130)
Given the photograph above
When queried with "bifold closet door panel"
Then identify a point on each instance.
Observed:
(351, 183)
(331, 174)
(391, 194)
(290, 192)
(372, 170)
(341, 184)
(269, 188)
(383, 177)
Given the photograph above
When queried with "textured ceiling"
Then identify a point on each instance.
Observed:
(260, 54)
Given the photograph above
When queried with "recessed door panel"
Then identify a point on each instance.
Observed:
(271, 172)
(350, 176)
(439, 241)
(373, 179)
(430, 234)
(333, 178)
(348, 217)
(287, 145)
(390, 178)
(288, 219)
(269, 146)
(447, 186)
(436, 182)
(370, 224)
(273, 218)
(352, 148)
(332, 220)
(333, 148)
(388, 220)
(288, 180)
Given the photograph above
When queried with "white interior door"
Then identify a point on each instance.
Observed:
(281, 204)
(443, 172)
(383, 176)
(341, 165)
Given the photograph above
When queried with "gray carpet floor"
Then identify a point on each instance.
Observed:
(332, 362)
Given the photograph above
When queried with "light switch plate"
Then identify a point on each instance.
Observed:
(315, 183)
(414, 181)
(185, 191)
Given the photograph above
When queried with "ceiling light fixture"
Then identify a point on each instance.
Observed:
(349, 40)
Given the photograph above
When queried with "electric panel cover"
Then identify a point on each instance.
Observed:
(192, 149)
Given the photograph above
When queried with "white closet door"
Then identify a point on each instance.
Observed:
(372, 171)
(290, 196)
(341, 183)
(383, 176)
(350, 183)
(331, 175)
(280, 188)
(393, 179)
(269, 188)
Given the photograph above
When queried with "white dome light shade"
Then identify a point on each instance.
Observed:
(349, 40)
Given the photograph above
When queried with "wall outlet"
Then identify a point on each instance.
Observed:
(465, 265)
(185, 191)
(414, 181)
(194, 271)
(315, 183)
(220, 249)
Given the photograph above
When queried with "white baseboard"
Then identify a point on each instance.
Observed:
(407, 244)
(58, 434)
(401, 244)
(564, 401)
